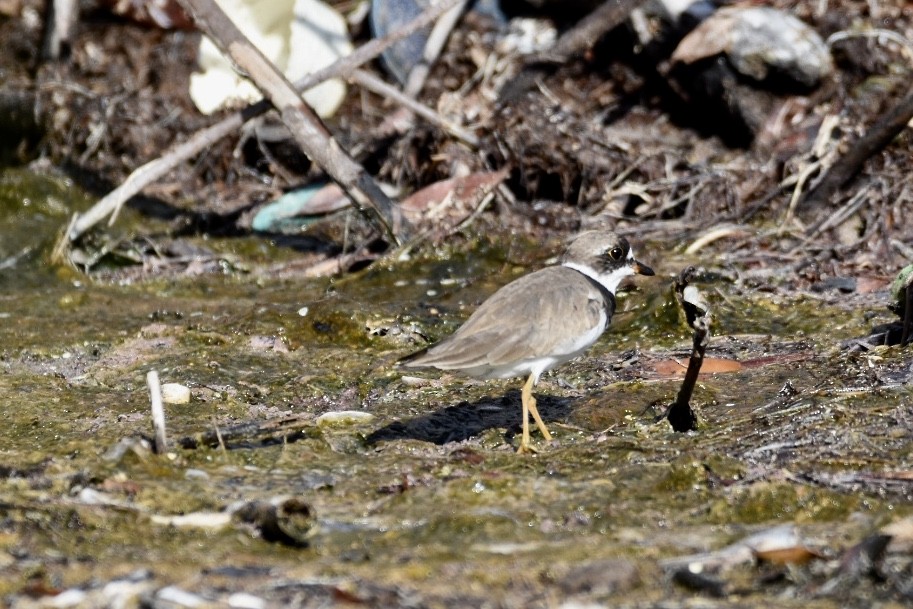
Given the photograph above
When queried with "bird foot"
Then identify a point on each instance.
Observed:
(526, 449)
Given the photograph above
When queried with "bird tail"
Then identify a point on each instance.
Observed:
(408, 360)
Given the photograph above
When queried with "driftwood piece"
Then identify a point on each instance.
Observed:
(305, 126)
(847, 166)
(158, 168)
(681, 416)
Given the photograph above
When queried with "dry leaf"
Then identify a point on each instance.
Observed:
(461, 190)
(712, 365)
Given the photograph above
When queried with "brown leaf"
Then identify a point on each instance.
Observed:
(780, 545)
(794, 555)
(465, 189)
(712, 365)
(670, 367)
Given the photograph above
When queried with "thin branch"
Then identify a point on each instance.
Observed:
(378, 86)
(415, 80)
(585, 33)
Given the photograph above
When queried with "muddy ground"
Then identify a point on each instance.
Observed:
(794, 491)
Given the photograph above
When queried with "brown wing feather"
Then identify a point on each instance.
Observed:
(512, 325)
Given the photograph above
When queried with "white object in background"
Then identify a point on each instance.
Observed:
(298, 36)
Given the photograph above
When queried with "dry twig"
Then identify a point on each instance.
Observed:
(289, 429)
(415, 81)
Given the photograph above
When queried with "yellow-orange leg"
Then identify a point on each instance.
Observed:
(529, 406)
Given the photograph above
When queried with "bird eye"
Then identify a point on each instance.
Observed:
(616, 253)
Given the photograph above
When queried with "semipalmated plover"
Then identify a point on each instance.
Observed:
(540, 320)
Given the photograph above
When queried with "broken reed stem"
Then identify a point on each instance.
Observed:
(158, 412)
(154, 170)
(218, 433)
(681, 416)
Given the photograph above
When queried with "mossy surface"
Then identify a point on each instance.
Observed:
(429, 498)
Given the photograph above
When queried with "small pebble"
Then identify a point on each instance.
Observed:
(175, 393)
(344, 417)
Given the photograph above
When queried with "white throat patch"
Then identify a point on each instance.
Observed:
(610, 280)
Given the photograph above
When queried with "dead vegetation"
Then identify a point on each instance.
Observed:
(604, 138)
